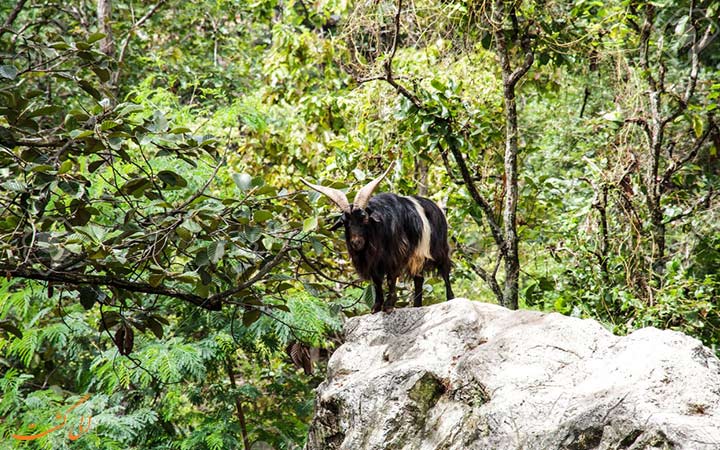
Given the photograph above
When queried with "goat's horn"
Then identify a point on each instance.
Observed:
(337, 196)
(363, 196)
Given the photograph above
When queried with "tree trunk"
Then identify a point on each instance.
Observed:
(512, 260)
(238, 405)
(510, 79)
(104, 8)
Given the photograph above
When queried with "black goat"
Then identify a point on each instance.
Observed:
(388, 235)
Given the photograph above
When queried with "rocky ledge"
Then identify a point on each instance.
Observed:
(470, 375)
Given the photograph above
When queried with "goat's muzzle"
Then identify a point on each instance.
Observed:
(357, 243)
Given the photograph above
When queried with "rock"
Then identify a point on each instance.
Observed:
(469, 375)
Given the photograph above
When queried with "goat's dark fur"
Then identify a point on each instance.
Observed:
(388, 235)
(383, 240)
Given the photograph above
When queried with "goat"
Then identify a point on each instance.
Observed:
(388, 235)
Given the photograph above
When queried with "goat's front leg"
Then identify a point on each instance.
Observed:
(378, 305)
(417, 298)
(392, 294)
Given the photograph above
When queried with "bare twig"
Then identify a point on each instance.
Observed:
(130, 33)
(13, 15)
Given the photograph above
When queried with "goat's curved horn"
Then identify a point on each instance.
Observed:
(337, 196)
(363, 196)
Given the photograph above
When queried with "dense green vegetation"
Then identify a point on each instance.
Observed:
(161, 255)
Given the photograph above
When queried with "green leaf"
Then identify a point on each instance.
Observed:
(215, 251)
(9, 327)
(90, 89)
(14, 185)
(135, 186)
(191, 226)
(60, 45)
(156, 279)
(88, 296)
(109, 124)
(159, 123)
(172, 179)
(180, 130)
(44, 111)
(8, 71)
(102, 73)
(66, 166)
(310, 224)
(262, 215)
(155, 326)
(79, 134)
(72, 188)
(95, 37)
(698, 125)
(268, 242)
(250, 316)
(95, 232)
(95, 165)
(437, 84)
(486, 41)
(124, 109)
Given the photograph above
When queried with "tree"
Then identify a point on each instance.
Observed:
(505, 19)
(667, 154)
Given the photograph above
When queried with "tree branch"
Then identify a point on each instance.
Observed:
(388, 63)
(674, 166)
(76, 278)
(13, 15)
(643, 123)
(238, 405)
(479, 199)
(519, 72)
(212, 303)
(126, 41)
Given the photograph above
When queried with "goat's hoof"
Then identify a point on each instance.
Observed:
(377, 307)
(389, 309)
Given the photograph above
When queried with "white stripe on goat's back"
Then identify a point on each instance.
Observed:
(422, 251)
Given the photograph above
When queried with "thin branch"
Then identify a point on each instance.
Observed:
(396, 34)
(703, 202)
(321, 274)
(479, 199)
(106, 280)
(202, 190)
(238, 405)
(267, 266)
(645, 44)
(388, 75)
(13, 15)
(130, 33)
(491, 280)
(674, 166)
(520, 72)
(41, 144)
(697, 47)
(212, 303)
(643, 123)
(695, 50)
(389, 78)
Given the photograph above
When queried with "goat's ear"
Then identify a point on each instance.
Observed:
(338, 223)
(376, 216)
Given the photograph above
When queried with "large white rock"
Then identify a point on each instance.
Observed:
(469, 375)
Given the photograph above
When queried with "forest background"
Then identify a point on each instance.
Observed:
(163, 266)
